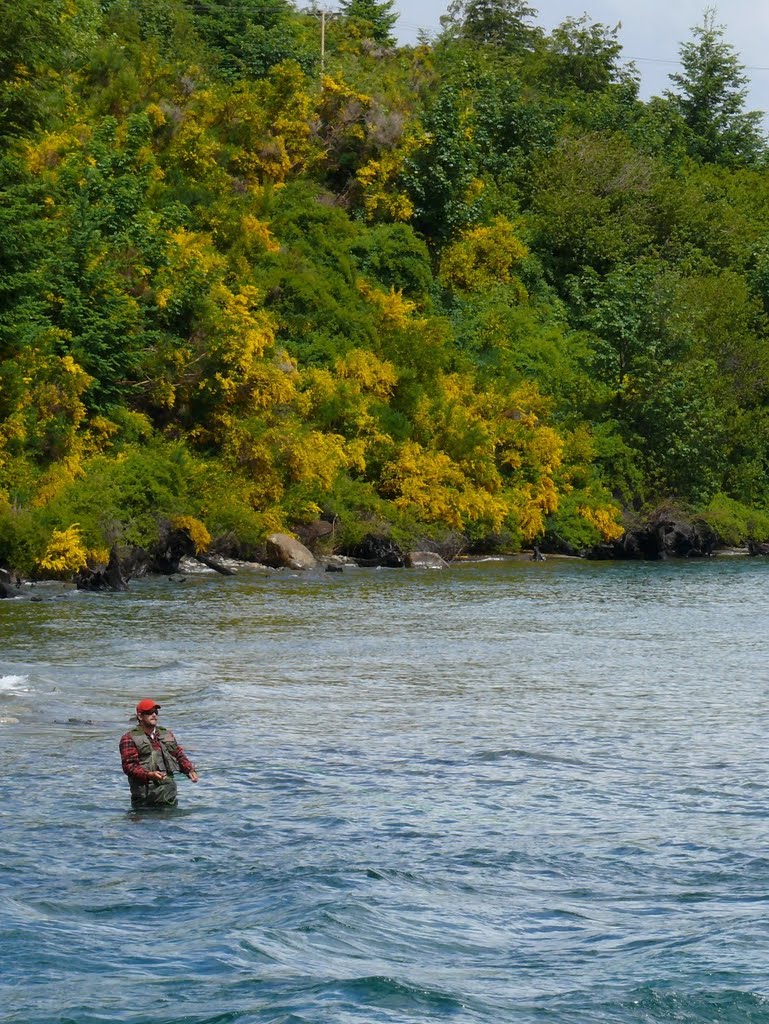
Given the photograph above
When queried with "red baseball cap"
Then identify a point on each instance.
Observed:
(147, 705)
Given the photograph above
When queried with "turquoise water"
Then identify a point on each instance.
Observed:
(509, 792)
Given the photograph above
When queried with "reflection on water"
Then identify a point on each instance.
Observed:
(508, 791)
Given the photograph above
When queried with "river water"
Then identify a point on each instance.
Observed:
(507, 792)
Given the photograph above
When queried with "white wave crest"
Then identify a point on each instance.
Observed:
(14, 684)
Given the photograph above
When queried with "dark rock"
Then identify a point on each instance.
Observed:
(334, 568)
(376, 550)
(638, 543)
(170, 549)
(226, 545)
(10, 584)
(107, 577)
(135, 562)
(600, 553)
(311, 533)
(666, 534)
(681, 538)
(757, 549)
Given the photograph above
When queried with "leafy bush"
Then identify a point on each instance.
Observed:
(583, 521)
(735, 523)
(65, 553)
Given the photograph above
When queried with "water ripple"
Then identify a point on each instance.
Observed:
(508, 792)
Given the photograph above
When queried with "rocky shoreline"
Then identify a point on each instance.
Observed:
(661, 537)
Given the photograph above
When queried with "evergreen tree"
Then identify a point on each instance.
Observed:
(377, 16)
(248, 37)
(502, 23)
(587, 56)
(711, 99)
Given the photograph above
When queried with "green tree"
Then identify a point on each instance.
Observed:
(630, 316)
(711, 93)
(24, 238)
(595, 203)
(586, 55)
(248, 37)
(671, 416)
(376, 17)
(39, 45)
(440, 176)
(481, 129)
(501, 23)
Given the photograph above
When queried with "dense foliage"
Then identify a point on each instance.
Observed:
(474, 289)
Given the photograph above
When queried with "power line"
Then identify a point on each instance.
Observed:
(644, 60)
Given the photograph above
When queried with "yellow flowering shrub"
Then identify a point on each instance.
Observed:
(195, 530)
(604, 519)
(375, 376)
(432, 486)
(252, 450)
(257, 233)
(46, 411)
(56, 479)
(313, 457)
(65, 553)
(44, 153)
(196, 149)
(268, 124)
(482, 257)
(395, 310)
(377, 179)
(240, 331)
(341, 109)
(225, 363)
(499, 442)
(528, 514)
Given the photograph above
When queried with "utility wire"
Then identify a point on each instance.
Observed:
(645, 60)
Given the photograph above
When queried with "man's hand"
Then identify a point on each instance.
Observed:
(156, 776)
(193, 776)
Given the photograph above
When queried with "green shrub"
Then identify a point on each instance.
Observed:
(568, 527)
(735, 523)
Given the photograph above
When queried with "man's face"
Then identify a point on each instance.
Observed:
(150, 718)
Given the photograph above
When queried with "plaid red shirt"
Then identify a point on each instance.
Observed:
(129, 755)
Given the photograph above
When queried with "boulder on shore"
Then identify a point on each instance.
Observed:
(103, 577)
(310, 533)
(9, 584)
(376, 550)
(284, 551)
(682, 538)
(666, 534)
(425, 560)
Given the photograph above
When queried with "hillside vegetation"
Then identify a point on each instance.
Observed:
(475, 290)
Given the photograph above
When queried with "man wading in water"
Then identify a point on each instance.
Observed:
(151, 757)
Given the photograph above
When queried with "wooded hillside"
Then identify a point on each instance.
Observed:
(475, 290)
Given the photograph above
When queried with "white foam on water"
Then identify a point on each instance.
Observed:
(14, 684)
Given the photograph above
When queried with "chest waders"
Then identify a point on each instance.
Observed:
(155, 794)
